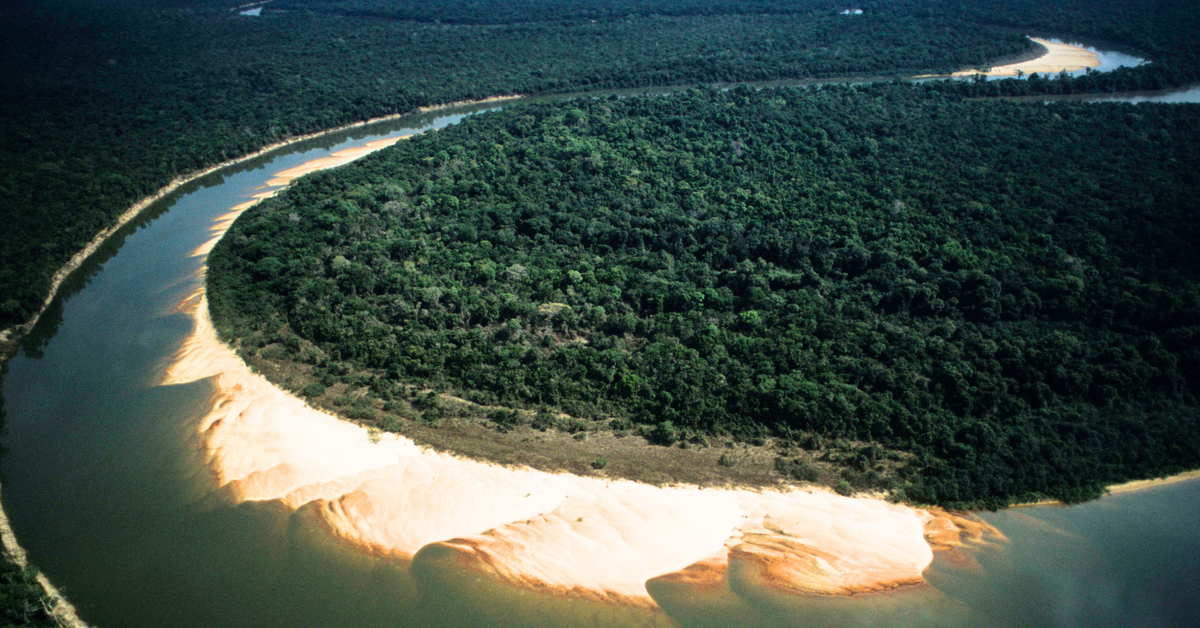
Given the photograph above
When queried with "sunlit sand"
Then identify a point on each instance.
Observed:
(578, 536)
(339, 158)
(1058, 58)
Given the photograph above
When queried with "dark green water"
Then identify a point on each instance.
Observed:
(105, 488)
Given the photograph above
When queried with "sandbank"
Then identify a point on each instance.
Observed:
(62, 610)
(582, 537)
(577, 536)
(339, 158)
(1124, 487)
(467, 103)
(1140, 485)
(1058, 58)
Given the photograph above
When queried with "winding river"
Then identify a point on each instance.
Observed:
(107, 488)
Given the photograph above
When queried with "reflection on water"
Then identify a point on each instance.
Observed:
(107, 490)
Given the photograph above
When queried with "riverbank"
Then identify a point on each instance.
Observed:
(1141, 485)
(1054, 58)
(60, 607)
(1124, 487)
(580, 537)
(57, 606)
(9, 338)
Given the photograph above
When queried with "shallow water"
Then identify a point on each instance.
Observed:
(106, 489)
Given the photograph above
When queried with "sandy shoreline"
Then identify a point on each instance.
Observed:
(1141, 485)
(1125, 487)
(63, 610)
(580, 537)
(73, 264)
(60, 608)
(1057, 58)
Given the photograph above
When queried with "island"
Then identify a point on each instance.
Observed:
(886, 287)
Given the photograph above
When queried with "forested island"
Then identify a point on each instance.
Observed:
(998, 297)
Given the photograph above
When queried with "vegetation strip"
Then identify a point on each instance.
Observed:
(27, 592)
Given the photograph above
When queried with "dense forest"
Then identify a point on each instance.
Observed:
(106, 101)
(1007, 292)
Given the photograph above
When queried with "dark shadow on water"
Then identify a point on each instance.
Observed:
(456, 594)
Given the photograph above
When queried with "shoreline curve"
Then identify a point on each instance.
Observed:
(1058, 57)
(63, 611)
(572, 536)
(9, 337)
(579, 537)
(1055, 58)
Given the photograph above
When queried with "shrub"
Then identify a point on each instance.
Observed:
(543, 421)
(393, 424)
(664, 434)
(432, 415)
(361, 413)
(505, 420)
(796, 469)
(620, 424)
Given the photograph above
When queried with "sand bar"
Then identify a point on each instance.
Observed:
(63, 611)
(582, 537)
(1058, 57)
(339, 158)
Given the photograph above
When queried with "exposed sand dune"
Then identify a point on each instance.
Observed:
(1058, 57)
(583, 537)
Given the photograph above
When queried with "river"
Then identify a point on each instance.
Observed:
(106, 488)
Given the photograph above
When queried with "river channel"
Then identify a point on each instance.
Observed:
(106, 488)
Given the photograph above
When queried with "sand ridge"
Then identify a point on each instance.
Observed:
(582, 537)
